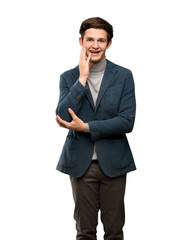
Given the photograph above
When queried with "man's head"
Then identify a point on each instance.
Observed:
(96, 34)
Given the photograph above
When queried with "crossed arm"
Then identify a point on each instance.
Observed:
(76, 124)
(120, 124)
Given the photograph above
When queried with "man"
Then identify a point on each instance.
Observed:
(97, 105)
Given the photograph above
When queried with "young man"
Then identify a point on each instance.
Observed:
(97, 105)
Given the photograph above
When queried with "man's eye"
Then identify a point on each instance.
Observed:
(102, 40)
(89, 40)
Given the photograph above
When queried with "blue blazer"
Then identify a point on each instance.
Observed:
(109, 121)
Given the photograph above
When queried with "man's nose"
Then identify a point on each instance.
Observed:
(95, 44)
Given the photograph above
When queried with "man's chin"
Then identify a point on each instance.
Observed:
(96, 59)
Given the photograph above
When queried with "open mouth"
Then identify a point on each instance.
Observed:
(94, 53)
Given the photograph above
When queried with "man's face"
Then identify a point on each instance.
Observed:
(95, 42)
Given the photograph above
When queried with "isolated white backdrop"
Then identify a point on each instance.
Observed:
(39, 40)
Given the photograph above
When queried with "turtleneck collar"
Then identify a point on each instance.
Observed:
(99, 66)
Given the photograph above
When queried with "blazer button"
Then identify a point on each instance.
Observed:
(78, 97)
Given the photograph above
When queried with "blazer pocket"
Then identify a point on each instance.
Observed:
(69, 153)
(112, 95)
(120, 153)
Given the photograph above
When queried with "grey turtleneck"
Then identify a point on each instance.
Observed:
(94, 83)
(95, 78)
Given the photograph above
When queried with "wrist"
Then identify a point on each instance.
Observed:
(84, 127)
(83, 80)
(87, 128)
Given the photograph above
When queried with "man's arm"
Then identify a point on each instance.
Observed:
(76, 124)
(69, 98)
(72, 98)
(121, 124)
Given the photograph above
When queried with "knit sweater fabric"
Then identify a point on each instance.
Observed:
(94, 82)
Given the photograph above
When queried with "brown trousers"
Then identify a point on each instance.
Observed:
(95, 191)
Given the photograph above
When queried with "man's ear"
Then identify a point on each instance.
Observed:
(109, 44)
(81, 41)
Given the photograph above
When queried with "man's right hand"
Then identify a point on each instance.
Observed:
(84, 66)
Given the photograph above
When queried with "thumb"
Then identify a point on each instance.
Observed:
(73, 115)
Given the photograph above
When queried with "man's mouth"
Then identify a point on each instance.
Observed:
(94, 53)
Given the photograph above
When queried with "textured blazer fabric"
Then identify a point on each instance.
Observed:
(109, 121)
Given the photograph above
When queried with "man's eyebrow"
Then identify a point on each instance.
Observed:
(104, 39)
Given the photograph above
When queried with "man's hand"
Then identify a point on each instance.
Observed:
(76, 124)
(84, 66)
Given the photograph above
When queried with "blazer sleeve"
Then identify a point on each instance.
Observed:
(124, 121)
(71, 96)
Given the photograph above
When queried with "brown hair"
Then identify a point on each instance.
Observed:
(96, 22)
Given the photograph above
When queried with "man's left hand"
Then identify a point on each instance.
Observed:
(76, 124)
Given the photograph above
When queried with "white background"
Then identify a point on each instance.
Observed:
(39, 40)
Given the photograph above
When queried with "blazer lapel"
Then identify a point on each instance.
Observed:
(108, 76)
(89, 96)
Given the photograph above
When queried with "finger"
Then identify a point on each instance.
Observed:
(83, 54)
(61, 122)
(60, 125)
(91, 64)
(73, 115)
(89, 58)
(58, 122)
(58, 118)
